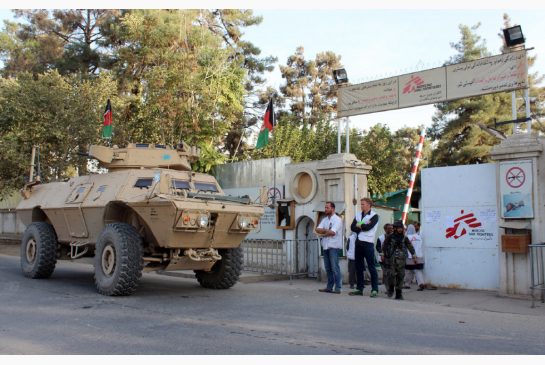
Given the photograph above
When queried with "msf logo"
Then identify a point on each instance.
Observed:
(460, 224)
(413, 83)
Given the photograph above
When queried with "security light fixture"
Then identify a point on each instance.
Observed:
(513, 36)
(340, 76)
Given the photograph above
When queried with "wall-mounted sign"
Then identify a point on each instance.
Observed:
(516, 189)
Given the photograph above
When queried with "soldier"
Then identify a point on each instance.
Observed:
(395, 254)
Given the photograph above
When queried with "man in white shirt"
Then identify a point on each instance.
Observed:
(330, 228)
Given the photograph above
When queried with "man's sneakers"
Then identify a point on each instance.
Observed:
(356, 292)
(374, 293)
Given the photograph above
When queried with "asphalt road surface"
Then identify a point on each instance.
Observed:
(64, 315)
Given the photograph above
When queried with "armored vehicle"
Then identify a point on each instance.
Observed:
(148, 212)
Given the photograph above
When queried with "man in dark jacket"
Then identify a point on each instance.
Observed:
(395, 254)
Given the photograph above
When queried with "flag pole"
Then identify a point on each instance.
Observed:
(274, 154)
(413, 176)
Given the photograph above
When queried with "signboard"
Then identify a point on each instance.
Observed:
(488, 75)
(460, 226)
(516, 189)
(421, 88)
(369, 97)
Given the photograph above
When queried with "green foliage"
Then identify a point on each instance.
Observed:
(301, 143)
(62, 115)
(391, 156)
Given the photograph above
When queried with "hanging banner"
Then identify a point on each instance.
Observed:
(488, 75)
(505, 72)
(516, 189)
(419, 88)
(369, 97)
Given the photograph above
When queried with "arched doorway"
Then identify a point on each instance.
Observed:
(307, 247)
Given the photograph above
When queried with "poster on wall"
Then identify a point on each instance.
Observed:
(516, 189)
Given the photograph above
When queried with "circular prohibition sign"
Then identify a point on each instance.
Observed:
(515, 177)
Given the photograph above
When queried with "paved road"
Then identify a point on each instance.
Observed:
(167, 315)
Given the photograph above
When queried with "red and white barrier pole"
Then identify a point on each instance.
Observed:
(413, 176)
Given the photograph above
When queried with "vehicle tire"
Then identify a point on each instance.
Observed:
(118, 260)
(39, 250)
(225, 273)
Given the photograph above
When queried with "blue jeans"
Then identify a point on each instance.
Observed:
(331, 265)
(365, 251)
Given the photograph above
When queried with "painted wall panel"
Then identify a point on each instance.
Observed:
(460, 226)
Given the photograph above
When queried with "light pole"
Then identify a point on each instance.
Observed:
(341, 79)
(514, 41)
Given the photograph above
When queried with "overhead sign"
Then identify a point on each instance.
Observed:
(421, 88)
(488, 75)
(369, 97)
(516, 189)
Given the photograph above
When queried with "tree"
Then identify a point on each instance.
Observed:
(60, 114)
(70, 41)
(391, 156)
(309, 85)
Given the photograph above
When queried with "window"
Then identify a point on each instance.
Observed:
(180, 184)
(203, 186)
(145, 182)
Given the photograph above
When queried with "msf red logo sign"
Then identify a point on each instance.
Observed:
(413, 84)
(460, 224)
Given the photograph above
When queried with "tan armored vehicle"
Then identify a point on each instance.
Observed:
(149, 212)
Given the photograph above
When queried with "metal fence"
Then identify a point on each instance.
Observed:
(537, 267)
(282, 257)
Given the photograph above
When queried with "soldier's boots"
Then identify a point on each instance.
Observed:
(390, 291)
(399, 296)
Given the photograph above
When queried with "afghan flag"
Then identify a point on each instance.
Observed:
(107, 128)
(268, 125)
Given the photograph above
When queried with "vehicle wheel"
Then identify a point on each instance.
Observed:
(39, 250)
(225, 272)
(118, 259)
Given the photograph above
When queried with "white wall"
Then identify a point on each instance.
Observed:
(466, 259)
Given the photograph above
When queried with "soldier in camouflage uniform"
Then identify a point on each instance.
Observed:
(395, 254)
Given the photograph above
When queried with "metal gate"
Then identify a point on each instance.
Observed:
(282, 257)
(537, 263)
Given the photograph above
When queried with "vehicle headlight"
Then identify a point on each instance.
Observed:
(243, 222)
(203, 221)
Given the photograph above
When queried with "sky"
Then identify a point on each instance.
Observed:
(374, 40)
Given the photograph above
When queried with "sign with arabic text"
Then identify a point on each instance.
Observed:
(488, 75)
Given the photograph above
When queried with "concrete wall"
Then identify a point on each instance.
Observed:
(460, 253)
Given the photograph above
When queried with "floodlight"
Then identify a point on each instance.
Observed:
(340, 76)
(513, 36)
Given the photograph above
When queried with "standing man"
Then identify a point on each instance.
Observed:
(330, 228)
(365, 226)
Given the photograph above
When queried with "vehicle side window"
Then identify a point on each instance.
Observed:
(145, 182)
(180, 184)
(206, 187)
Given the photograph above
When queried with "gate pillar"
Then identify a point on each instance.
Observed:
(520, 179)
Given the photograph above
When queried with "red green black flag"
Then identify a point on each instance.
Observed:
(268, 125)
(107, 128)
